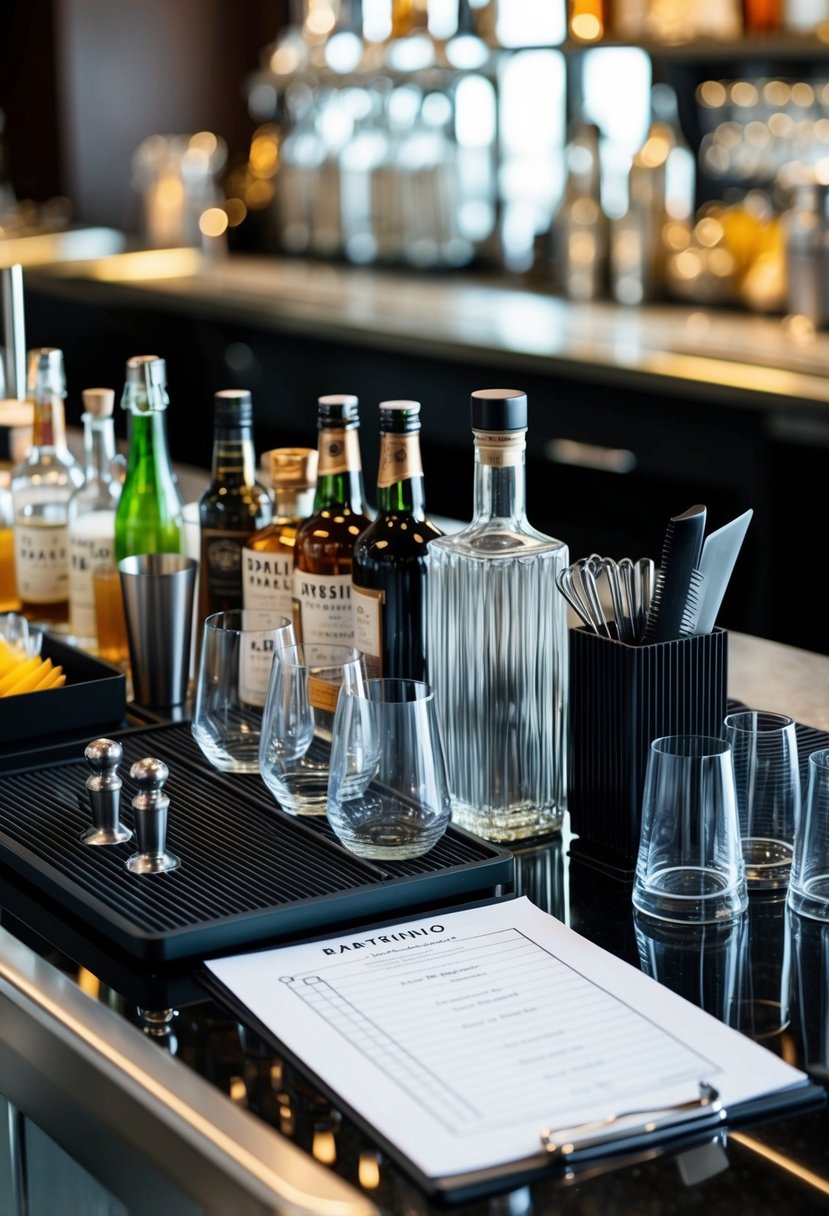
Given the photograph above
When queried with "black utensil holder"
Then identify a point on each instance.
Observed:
(622, 698)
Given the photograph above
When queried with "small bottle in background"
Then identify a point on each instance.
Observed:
(9, 601)
(41, 487)
(91, 513)
(233, 507)
(268, 556)
(325, 542)
(390, 572)
(148, 518)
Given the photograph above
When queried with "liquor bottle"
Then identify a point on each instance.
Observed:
(390, 572)
(91, 513)
(497, 643)
(233, 506)
(325, 542)
(148, 519)
(41, 486)
(268, 557)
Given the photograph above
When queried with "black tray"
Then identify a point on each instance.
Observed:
(249, 872)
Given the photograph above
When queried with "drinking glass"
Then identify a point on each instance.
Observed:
(809, 878)
(234, 667)
(388, 796)
(690, 865)
(295, 748)
(767, 773)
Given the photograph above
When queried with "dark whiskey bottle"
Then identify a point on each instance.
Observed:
(234, 505)
(391, 556)
(325, 542)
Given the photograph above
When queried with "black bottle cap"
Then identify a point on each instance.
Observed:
(338, 408)
(499, 409)
(400, 417)
(232, 407)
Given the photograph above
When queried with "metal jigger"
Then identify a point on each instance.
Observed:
(104, 756)
(150, 807)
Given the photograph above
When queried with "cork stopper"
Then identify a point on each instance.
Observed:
(99, 402)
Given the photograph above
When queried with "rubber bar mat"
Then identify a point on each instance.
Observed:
(249, 873)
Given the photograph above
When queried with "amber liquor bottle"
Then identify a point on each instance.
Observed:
(233, 506)
(268, 556)
(325, 542)
(391, 558)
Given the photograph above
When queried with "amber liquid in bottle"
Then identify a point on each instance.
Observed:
(325, 542)
(268, 557)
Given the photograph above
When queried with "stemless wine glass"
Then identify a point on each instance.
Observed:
(297, 723)
(235, 663)
(388, 796)
(767, 773)
(690, 864)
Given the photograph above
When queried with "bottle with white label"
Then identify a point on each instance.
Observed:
(268, 556)
(325, 542)
(41, 486)
(91, 513)
(391, 557)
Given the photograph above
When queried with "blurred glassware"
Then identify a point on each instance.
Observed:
(703, 963)
(809, 878)
(176, 176)
(763, 999)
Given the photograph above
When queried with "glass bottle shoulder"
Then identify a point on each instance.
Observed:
(494, 538)
(400, 532)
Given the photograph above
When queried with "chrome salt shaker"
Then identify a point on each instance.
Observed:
(150, 806)
(104, 786)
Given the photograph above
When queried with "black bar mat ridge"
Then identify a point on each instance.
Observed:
(249, 872)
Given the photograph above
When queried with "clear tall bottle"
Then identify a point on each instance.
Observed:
(148, 518)
(391, 560)
(91, 513)
(268, 556)
(41, 486)
(234, 505)
(325, 542)
(497, 643)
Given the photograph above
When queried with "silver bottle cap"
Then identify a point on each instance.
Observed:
(146, 383)
(46, 374)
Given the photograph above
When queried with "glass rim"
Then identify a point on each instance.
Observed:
(220, 621)
(695, 747)
(820, 757)
(422, 692)
(298, 654)
(764, 721)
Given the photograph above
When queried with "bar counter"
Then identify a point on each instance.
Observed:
(130, 1088)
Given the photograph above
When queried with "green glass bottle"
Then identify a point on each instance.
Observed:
(148, 519)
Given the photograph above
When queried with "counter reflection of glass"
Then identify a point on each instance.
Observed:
(810, 993)
(703, 963)
(762, 1001)
(539, 874)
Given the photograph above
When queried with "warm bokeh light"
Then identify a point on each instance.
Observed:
(213, 221)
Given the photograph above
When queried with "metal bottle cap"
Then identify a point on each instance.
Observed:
(103, 756)
(46, 374)
(401, 417)
(150, 806)
(293, 468)
(232, 407)
(342, 408)
(146, 377)
(499, 409)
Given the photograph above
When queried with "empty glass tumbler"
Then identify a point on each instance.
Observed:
(766, 770)
(237, 651)
(299, 716)
(388, 795)
(690, 864)
(809, 879)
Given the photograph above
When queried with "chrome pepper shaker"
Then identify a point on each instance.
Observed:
(150, 806)
(104, 757)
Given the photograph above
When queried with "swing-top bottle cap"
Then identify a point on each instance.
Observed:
(150, 373)
(45, 373)
(233, 406)
(293, 468)
(338, 407)
(499, 409)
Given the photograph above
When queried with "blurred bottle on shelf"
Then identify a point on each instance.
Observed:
(91, 513)
(587, 20)
(580, 228)
(41, 486)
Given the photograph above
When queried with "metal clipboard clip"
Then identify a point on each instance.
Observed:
(562, 1143)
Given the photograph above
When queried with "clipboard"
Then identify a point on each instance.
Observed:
(613, 1142)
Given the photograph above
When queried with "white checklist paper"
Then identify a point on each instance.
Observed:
(460, 1036)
